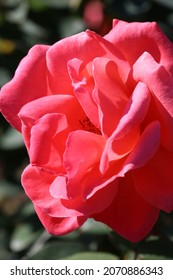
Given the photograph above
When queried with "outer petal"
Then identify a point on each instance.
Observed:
(129, 215)
(154, 181)
(84, 46)
(29, 83)
(59, 226)
(135, 38)
(45, 149)
(37, 185)
(160, 83)
(63, 104)
(76, 46)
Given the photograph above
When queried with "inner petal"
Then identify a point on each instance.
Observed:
(83, 87)
(109, 94)
(82, 154)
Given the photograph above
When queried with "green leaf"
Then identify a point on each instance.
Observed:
(58, 250)
(22, 237)
(92, 256)
(37, 5)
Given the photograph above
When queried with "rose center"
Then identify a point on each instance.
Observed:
(87, 125)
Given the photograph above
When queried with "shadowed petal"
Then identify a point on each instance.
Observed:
(129, 215)
(154, 181)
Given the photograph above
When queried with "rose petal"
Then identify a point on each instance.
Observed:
(160, 83)
(134, 38)
(145, 149)
(117, 149)
(29, 83)
(33, 178)
(114, 54)
(84, 46)
(83, 151)
(58, 187)
(62, 104)
(88, 206)
(109, 94)
(128, 127)
(129, 215)
(36, 184)
(154, 181)
(76, 46)
(83, 88)
(44, 151)
(135, 111)
(59, 226)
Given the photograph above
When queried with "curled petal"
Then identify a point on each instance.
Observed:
(135, 111)
(29, 83)
(83, 151)
(62, 104)
(33, 178)
(83, 87)
(76, 46)
(144, 150)
(44, 151)
(160, 83)
(109, 94)
(59, 226)
(129, 36)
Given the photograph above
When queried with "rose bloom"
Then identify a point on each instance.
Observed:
(96, 115)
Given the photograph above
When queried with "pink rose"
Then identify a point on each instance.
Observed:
(96, 115)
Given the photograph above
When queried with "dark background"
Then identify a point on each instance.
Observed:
(24, 23)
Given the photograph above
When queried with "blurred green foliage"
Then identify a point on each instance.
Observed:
(24, 23)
